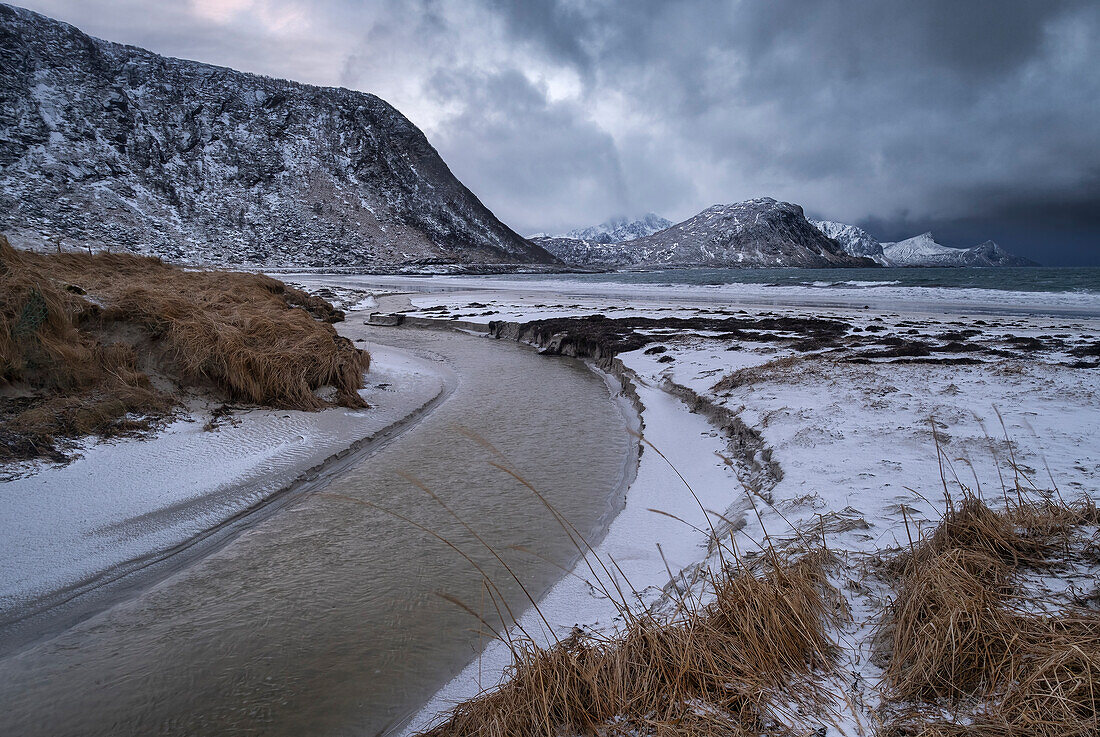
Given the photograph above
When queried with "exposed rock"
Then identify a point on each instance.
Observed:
(756, 233)
(105, 144)
(855, 241)
(582, 253)
(601, 338)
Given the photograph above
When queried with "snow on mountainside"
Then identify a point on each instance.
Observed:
(583, 254)
(919, 249)
(620, 229)
(855, 241)
(102, 143)
(922, 250)
(756, 233)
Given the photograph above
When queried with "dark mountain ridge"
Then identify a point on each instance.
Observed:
(106, 144)
(757, 233)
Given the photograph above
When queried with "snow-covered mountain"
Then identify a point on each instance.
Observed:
(923, 250)
(111, 144)
(855, 241)
(755, 233)
(584, 254)
(920, 250)
(620, 229)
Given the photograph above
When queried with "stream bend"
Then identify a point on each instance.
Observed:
(326, 617)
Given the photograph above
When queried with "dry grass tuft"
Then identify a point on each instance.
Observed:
(714, 669)
(753, 374)
(102, 344)
(958, 633)
(966, 652)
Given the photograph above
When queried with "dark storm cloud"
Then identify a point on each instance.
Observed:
(976, 118)
(1053, 230)
(896, 114)
(547, 160)
(553, 25)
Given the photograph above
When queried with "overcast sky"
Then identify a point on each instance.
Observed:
(975, 119)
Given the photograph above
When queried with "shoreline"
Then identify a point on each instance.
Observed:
(294, 552)
(57, 610)
(531, 295)
(847, 517)
(569, 602)
(568, 594)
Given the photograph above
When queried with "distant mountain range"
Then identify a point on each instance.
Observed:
(757, 233)
(754, 233)
(107, 144)
(920, 250)
(620, 229)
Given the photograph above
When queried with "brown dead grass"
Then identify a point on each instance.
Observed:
(716, 669)
(753, 374)
(103, 344)
(959, 638)
(966, 652)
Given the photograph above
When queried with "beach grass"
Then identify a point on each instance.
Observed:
(103, 344)
(725, 667)
(750, 646)
(968, 652)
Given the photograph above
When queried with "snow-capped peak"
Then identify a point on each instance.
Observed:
(920, 250)
(620, 229)
(918, 247)
(923, 250)
(855, 241)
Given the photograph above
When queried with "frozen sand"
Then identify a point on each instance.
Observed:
(859, 457)
(520, 298)
(853, 440)
(126, 503)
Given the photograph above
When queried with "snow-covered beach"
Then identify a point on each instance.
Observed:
(825, 414)
(851, 429)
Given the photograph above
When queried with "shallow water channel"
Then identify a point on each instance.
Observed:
(325, 618)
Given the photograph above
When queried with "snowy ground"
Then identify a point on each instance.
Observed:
(850, 426)
(123, 503)
(856, 447)
(513, 298)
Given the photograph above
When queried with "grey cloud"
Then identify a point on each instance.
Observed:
(891, 112)
(553, 25)
(509, 143)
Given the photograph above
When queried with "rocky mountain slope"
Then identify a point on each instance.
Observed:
(756, 233)
(102, 143)
(620, 229)
(855, 241)
(583, 254)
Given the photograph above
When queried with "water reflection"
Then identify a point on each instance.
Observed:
(325, 619)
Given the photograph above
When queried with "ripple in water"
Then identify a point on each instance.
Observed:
(326, 618)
